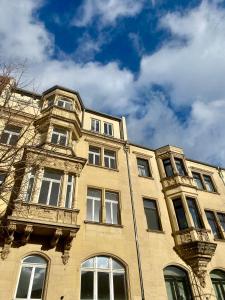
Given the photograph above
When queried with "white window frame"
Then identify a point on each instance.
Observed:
(94, 200)
(54, 131)
(51, 180)
(11, 133)
(71, 184)
(64, 102)
(110, 159)
(111, 202)
(109, 270)
(31, 175)
(94, 125)
(33, 266)
(95, 154)
(142, 171)
(107, 126)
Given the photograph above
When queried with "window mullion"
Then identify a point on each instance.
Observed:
(49, 191)
(31, 283)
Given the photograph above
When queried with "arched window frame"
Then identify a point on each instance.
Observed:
(33, 265)
(187, 279)
(111, 271)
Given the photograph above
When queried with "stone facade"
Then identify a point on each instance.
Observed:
(164, 209)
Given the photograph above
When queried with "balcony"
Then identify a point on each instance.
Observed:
(194, 247)
(55, 225)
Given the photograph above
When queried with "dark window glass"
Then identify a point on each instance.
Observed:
(218, 281)
(10, 135)
(213, 224)
(95, 125)
(2, 177)
(94, 155)
(103, 286)
(194, 212)
(222, 219)
(168, 167)
(108, 129)
(38, 283)
(180, 166)
(198, 180)
(54, 195)
(25, 275)
(143, 167)
(44, 192)
(87, 285)
(119, 286)
(30, 186)
(180, 214)
(152, 215)
(208, 183)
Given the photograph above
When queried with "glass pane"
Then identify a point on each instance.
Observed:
(68, 197)
(91, 158)
(106, 160)
(182, 289)
(116, 265)
(87, 285)
(13, 128)
(218, 291)
(212, 222)
(4, 138)
(119, 286)
(180, 166)
(168, 167)
(94, 193)
(170, 290)
(152, 219)
(2, 177)
(24, 282)
(143, 167)
(174, 272)
(103, 286)
(35, 260)
(44, 192)
(54, 195)
(198, 180)
(29, 189)
(208, 183)
(13, 140)
(97, 206)
(89, 209)
(54, 139)
(222, 219)
(88, 263)
(38, 283)
(102, 262)
(62, 140)
(194, 213)
(180, 214)
(115, 213)
(108, 212)
(52, 175)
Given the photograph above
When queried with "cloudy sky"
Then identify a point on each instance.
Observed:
(161, 63)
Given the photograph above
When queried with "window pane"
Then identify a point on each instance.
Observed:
(168, 167)
(54, 195)
(54, 139)
(13, 140)
(2, 177)
(208, 183)
(115, 213)
(52, 175)
(91, 158)
(180, 214)
(212, 222)
(38, 283)
(88, 263)
(24, 282)
(180, 166)
(44, 192)
(87, 285)
(222, 219)
(194, 213)
(170, 290)
(29, 189)
(94, 193)
(89, 209)
(68, 197)
(198, 180)
(119, 286)
(62, 140)
(151, 214)
(103, 286)
(143, 167)
(4, 137)
(108, 212)
(102, 262)
(116, 265)
(97, 206)
(35, 260)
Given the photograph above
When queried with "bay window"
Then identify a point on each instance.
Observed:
(180, 214)
(65, 103)
(69, 191)
(59, 136)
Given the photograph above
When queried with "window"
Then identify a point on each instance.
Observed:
(95, 125)
(218, 282)
(213, 224)
(94, 155)
(208, 183)
(65, 103)
(180, 166)
(168, 167)
(108, 129)
(152, 215)
(10, 135)
(50, 188)
(221, 217)
(59, 136)
(180, 214)
(50, 102)
(30, 185)
(31, 279)
(2, 177)
(198, 180)
(94, 198)
(112, 208)
(110, 159)
(69, 191)
(203, 182)
(194, 212)
(143, 167)
(177, 284)
(102, 278)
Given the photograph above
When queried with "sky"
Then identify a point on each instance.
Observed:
(159, 63)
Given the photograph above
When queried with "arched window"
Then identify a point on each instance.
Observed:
(177, 284)
(218, 281)
(102, 278)
(31, 279)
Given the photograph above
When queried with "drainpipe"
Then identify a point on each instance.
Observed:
(126, 149)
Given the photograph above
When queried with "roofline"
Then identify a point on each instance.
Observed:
(205, 164)
(103, 114)
(26, 92)
(66, 90)
(140, 146)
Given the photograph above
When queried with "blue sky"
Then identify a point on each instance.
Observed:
(160, 63)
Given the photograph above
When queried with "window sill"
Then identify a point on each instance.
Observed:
(146, 177)
(155, 231)
(102, 167)
(216, 193)
(219, 240)
(103, 224)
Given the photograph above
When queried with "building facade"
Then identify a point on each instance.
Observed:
(90, 215)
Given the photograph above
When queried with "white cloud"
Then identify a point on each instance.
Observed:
(107, 11)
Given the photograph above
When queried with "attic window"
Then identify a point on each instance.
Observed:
(65, 103)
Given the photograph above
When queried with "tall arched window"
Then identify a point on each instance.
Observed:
(177, 284)
(103, 278)
(31, 279)
(218, 281)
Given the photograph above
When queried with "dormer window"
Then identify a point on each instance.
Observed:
(65, 103)
(59, 136)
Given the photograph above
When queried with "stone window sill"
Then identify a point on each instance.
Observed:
(102, 167)
(103, 224)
